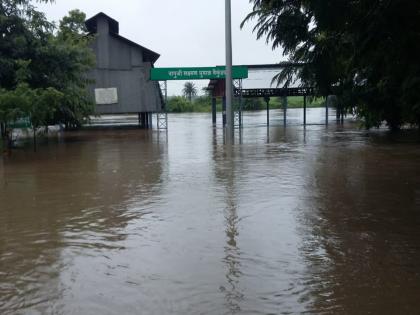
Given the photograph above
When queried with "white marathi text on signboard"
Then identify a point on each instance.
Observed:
(106, 96)
(197, 73)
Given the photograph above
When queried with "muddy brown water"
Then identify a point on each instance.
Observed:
(292, 220)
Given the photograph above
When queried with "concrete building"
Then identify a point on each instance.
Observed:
(121, 76)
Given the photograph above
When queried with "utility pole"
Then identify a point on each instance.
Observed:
(229, 85)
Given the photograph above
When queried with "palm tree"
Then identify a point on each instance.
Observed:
(189, 90)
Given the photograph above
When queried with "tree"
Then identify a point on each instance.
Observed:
(189, 90)
(363, 51)
(72, 45)
(42, 104)
(72, 27)
(23, 31)
(12, 107)
(252, 104)
(43, 71)
(37, 104)
(178, 104)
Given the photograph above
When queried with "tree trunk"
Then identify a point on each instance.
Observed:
(2, 131)
(34, 139)
(8, 141)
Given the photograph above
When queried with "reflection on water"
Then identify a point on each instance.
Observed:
(289, 220)
(226, 181)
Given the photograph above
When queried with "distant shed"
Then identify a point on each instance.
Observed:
(121, 76)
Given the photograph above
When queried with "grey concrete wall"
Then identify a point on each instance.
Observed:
(120, 65)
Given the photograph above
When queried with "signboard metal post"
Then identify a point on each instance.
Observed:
(229, 83)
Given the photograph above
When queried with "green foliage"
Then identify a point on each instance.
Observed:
(253, 104)
(38, 105)
(23, 31)
(297, 102)
(42, 104)
(179, 104)
(202, 104)
(72, 27)
(43, 70)
(364, 51)
(13, 105)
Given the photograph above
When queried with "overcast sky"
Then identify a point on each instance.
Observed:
(184, 32)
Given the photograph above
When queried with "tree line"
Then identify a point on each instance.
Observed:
(43, 68)
(365, 52)
(190, 101)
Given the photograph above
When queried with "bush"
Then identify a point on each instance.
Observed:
(179, 104)
(202, 104)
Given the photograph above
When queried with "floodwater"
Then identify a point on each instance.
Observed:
(291, 220)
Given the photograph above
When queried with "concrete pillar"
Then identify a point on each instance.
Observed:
(150, 120)
(143, 120)
(230, 124)
(284, 101)
(338, 112)
(326, 109)
(268, 113)
(267, 101)
(240, 111)
(333, 101)
(224, 111)
(213, 110)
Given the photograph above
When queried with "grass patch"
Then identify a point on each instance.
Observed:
(202, 104)
(297, 102)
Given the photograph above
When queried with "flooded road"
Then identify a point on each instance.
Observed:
(292, 220)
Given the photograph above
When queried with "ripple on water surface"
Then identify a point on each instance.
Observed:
(288, 220)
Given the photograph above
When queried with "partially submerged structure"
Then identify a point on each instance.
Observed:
(121, 76)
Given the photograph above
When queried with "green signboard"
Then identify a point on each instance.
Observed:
(203, 73)
(21, 123)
